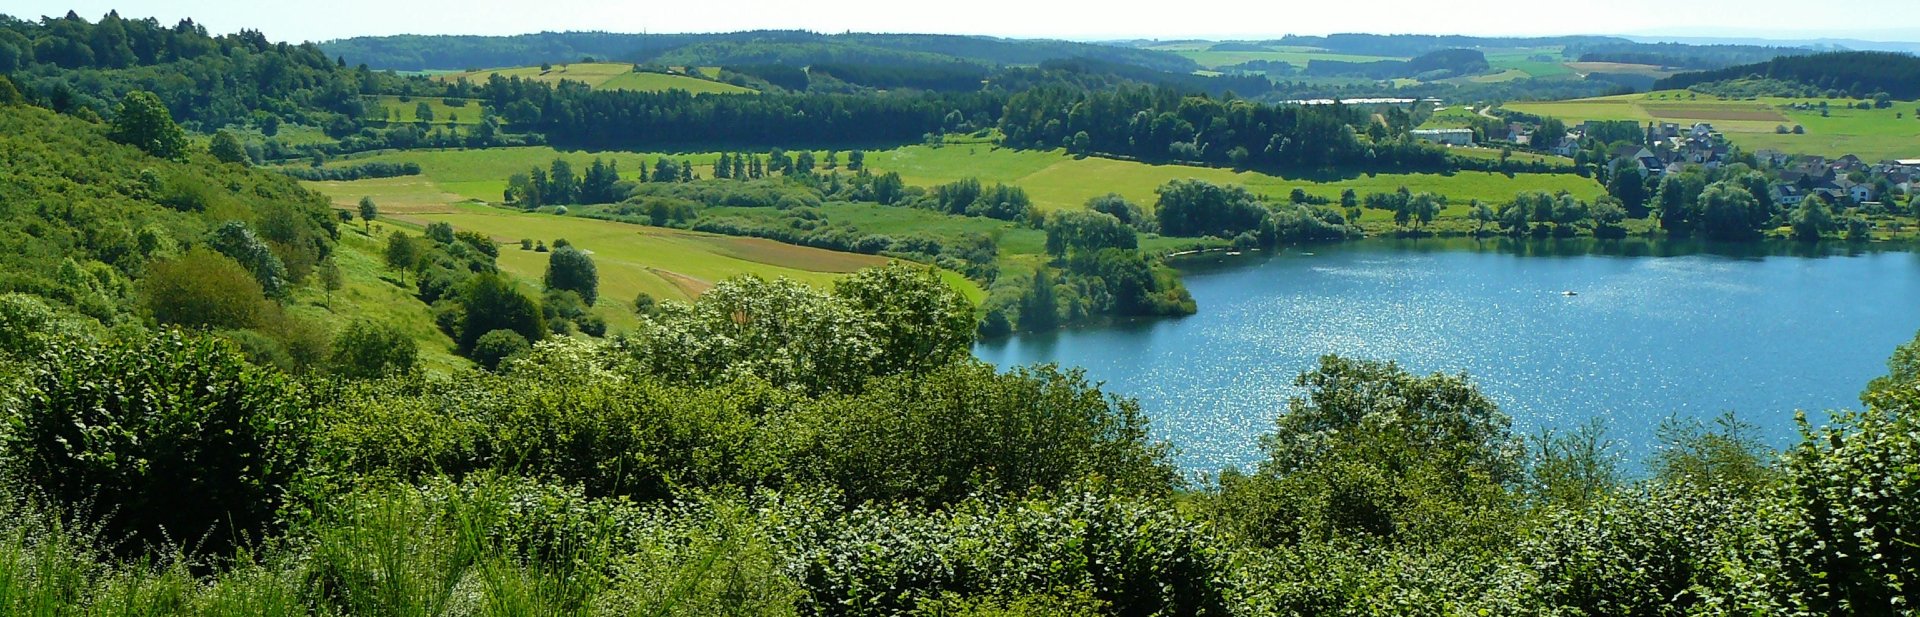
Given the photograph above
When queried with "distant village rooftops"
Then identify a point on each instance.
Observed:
(1452, 137)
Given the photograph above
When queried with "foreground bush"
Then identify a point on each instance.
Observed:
(170, 438)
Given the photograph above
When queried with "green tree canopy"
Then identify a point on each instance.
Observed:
(202, 289)
(493, 303)
(918, 321)
(371, 350)
(227, 149)
(571, 269)
(142, 121)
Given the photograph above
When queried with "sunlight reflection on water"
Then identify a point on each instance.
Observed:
(1645, 338)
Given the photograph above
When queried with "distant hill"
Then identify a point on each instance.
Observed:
(1684, 56)
(1409, 45)
(1858, 73)
(787, 47)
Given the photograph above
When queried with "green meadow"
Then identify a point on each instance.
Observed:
(1535, 62)
(393, 109)
(668, 264)
(1455, 117)
(482, 174)
(1055, 180)
(1753, 124)
(605, 76)
(455, 185)
(1295, 55)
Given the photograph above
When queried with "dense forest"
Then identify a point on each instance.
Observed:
(788, 47)
(1860, 74)
(1158, 124)
(1677, 55)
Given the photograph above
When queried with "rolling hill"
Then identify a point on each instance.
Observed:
(605, 76)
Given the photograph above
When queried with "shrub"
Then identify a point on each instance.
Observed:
(234, 239)
(202, 289)
(369, 350)
(496, 346)
(170, 438)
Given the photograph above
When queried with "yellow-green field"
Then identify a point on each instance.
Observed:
(1055, 180)
(1052, 178)
(1621, 68)
(1753, 124)
(1295, 55)
(392, 109)
(605, 76)
(482, 174)
(665, 263)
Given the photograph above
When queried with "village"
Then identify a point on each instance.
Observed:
(1665, 147)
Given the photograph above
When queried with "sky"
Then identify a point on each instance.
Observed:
(1886, 20)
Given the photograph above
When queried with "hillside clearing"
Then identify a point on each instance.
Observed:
(604, 76)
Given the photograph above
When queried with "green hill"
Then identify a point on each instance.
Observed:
(604, 76)
(104, 234)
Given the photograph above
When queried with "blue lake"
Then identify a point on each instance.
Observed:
(1655, 331)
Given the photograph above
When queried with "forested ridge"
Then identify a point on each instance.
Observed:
(791, 47)
(1859, 73)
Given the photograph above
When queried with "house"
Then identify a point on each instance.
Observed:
(1566, 147)
(1787, 194)
(1833, 192)
(1450, 137)
(1520, 134)
(1702, 129)
(1662, 131)
(1846, 163)
(1771, 158)
(1861, 193)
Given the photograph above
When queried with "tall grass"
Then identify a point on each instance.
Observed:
(482, 549)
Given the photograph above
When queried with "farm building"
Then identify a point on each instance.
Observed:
(1451, 137)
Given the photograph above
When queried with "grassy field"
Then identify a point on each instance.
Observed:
(1619, 68)
(1456, 117)
(1297, 56)
(666, 263)
(1055, 180)
(390, 108)
(375, 292)
(482, 174)
(605, 76)
(658, 82)
(1752, 124)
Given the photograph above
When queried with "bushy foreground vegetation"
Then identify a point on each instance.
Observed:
(773, 450)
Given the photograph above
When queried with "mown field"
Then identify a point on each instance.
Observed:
(1055, 180)
(455, 185)
(1295, 55)
(605, 76)
(482, 174)
(665, 263)
(1753, 124)
(391, 108)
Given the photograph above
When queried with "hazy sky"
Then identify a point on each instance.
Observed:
(1897, 20)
